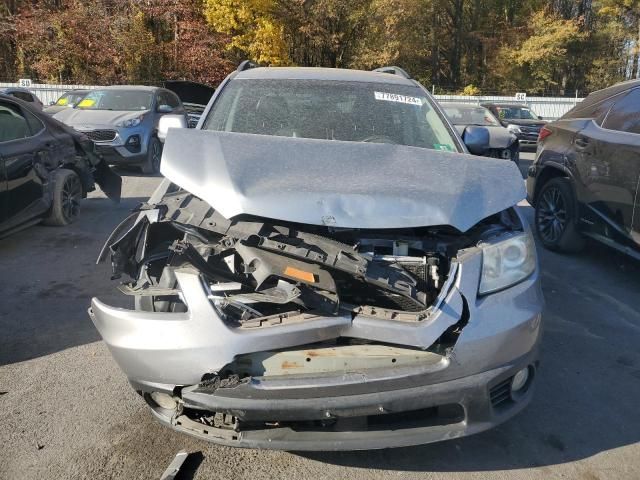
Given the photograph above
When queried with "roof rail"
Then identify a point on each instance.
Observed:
(246, 65)
(393, 71)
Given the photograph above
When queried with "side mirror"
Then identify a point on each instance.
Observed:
(540, 117)
(170, 121)
(165, 109)
(476, 139)
(51, 104)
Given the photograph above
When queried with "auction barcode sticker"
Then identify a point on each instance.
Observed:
(392, 97)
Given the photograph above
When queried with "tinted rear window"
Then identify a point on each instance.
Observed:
(597, 111)
(625, 114)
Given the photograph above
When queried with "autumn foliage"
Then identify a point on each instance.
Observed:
(105, 42)
(487, 46)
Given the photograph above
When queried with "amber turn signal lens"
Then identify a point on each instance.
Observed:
(300, 275)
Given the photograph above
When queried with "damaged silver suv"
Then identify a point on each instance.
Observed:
(325, 267)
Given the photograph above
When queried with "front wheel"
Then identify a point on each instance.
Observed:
(556, 217)
(154, 155)
(67, 195)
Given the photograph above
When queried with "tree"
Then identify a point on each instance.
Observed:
(540, 61)
(628, 12)
(323, 32)
(254, 30)
(141, 55)
(103, 42)
(72, 42)
(543, 46)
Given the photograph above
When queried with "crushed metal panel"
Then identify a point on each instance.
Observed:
(339, 184)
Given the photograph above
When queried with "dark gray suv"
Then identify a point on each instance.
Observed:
(585, 179)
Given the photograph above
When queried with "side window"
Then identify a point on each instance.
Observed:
(165, 98)
(26, 97)
(35, 125)
(13, 126)
(598, 111)
(173, 100)
(161, 99)
(625, 114)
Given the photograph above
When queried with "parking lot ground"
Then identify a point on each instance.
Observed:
(68, 412)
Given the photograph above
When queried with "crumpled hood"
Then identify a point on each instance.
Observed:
(89, 119)
(341, 184)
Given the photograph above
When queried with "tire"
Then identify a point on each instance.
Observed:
(67, 195)
(556, 217)
(154, 155)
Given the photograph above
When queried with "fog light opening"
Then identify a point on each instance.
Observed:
(133, 143)
(520, 380)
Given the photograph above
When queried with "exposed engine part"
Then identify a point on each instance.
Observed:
(255, 268)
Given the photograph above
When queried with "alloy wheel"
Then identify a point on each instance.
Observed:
(552, 215)
(156, 155)
(71, 197)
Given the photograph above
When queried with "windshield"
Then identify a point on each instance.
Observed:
(331, 110)
(70, 99)
(516, 113)
(120, 100)
(470, 115)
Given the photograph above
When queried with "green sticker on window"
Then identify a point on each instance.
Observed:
(443, 146)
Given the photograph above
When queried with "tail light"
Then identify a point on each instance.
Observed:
(544, 133)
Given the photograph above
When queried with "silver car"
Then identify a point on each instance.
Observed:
(123, 121)
(325, 267)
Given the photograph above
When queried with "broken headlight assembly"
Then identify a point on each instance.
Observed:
(507, 262)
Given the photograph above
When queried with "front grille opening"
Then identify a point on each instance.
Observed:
(101, 135)
(501, 394)
(448, 414)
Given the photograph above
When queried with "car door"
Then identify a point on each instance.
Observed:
(24, 145)
(609, 161)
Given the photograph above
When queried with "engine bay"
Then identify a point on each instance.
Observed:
(255, 268)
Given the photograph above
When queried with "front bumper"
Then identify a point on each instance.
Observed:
(118, 151)
(395, 418)
(118, 155)
(170, 352)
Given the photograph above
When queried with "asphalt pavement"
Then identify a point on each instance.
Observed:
(68, 412)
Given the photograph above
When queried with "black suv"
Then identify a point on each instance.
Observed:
(519, 120)
(584, 181)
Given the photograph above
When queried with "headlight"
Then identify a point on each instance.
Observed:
(514, 128)
(507, 262)
(132, 122)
